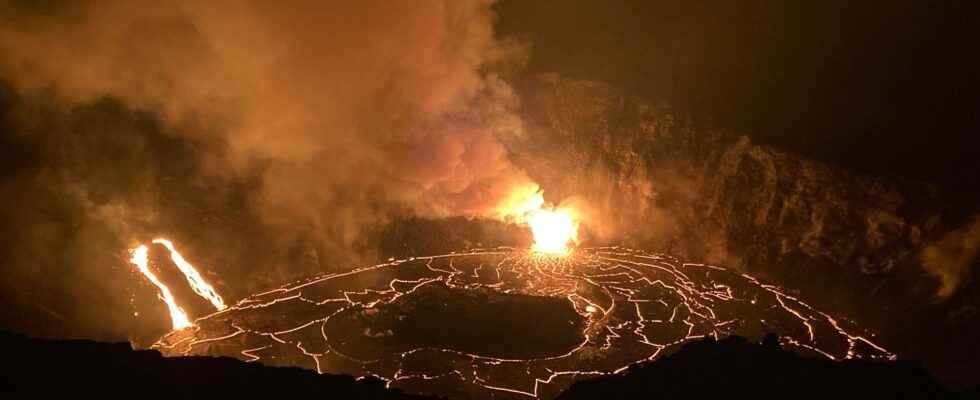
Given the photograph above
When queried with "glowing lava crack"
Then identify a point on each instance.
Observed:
(631, 307)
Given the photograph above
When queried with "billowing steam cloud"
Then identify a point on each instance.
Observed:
(952, 257)
(358, 105)
(334, 116)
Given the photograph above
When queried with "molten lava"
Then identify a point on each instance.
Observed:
(177, 315)
(632, 307)
(194, 279)
(554, 229)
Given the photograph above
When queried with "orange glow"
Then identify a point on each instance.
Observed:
(178, 317)
(201, 287)
(555, 230)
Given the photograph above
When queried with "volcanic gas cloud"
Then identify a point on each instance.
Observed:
(307, 128)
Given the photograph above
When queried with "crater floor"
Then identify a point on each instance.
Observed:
(508, 323)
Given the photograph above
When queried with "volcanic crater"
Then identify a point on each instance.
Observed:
(508, 322)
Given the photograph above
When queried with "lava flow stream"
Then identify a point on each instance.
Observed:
(178, 317)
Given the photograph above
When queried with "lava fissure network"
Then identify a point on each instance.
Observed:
(509, 322)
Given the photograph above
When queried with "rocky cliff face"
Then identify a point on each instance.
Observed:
(650, 178)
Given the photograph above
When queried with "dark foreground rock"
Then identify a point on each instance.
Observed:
(36, 368)
(737, 369)
(732, 367)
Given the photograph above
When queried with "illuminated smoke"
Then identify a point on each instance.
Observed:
(951, 258)
(178, 317)
(347, 115)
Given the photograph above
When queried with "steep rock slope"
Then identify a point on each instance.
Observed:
(849, 242)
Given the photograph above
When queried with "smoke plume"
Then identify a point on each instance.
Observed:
(319, 120)
(952, 257)
(356, 105)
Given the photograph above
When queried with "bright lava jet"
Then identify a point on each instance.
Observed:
(555, 230)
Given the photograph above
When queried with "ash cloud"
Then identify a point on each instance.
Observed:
(301, 129)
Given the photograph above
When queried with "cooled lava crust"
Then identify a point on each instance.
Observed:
(509, 323)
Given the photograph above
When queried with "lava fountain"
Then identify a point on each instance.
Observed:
(555, 229)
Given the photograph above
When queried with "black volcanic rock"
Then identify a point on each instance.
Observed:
(39, 368)
(715, 196)
(471, 321)
(734, 368)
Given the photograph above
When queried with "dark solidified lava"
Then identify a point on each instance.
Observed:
(510, 323)
(481, 322)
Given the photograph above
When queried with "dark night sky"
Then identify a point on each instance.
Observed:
(884, 87)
